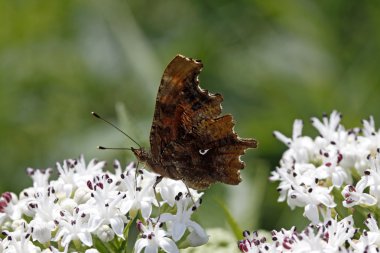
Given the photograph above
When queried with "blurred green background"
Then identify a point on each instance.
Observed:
(273, 61)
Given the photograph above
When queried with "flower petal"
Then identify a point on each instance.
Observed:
(368, 200)
(86, 238)
(117, 225)
(168, 245)
(297, 129)
(311, 212)
(126, 206)
(166, 217)
(140, 244)
(362, 184)
(146, 209)
(151, 248)
(178, 230)
(197, 235)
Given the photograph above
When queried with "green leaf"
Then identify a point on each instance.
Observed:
(236, 229)
(101, 246)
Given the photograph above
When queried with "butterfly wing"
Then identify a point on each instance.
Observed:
(211, 153)
(189, 139)
(179, 95)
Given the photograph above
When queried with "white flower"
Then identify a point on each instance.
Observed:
(197, 236)
(338, 232)
(336, 160)
(356, 196)
(252, 243)
(153, 238)
(373, 174)
(324, 238)
(85, 173)
(169, 189)
(370, 141)
(367, 243)
(66, 182)
(91, 251)
(84, 202)
(310, 169)
(329, 128)
(362, 245)
(41, 230)
(293, 174)
(104, 210)
(52, 249)
(374, 231)
(105, 233)
(74, 174)
(73, 227)
(331, 169)
(309, 241)
(24, 245)
(40, 177)
(82, 195)
(369, 127)
(139, 193)
(43, 205)
(179, 222)
(43, 209)
(310, 195)
(18, 241)
(10, 207)
(301, 149)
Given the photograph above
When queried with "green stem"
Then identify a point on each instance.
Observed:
(78, 245)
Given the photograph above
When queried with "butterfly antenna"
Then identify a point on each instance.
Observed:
(114, 126)
(105, 148)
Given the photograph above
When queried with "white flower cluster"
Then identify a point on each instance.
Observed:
(89, 210)
(336, 174)
(331, 236)
(313, 171)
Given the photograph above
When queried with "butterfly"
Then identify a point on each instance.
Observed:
(189, 140)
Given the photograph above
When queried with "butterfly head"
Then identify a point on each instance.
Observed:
(141, 154)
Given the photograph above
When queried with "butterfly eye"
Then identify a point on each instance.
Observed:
(203, 151)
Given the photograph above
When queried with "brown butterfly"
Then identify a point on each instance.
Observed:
(189, 140)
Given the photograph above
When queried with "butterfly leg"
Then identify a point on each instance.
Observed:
(191, 196)
(158, 180)
(137, 170)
